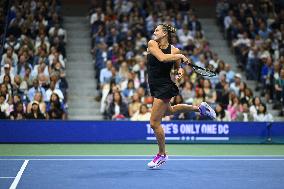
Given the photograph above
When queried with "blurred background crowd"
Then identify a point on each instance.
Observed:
(32, 79)
(33, 82)
(120, 31)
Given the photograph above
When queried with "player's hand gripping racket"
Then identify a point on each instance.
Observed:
(202, 71)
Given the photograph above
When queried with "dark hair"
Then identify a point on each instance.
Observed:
(175, 100)
(222, 112)
(120, 100)
(141, 106)
(6, 75)
(57, 102)
(253, 101)
(264, 108)
(169, 30)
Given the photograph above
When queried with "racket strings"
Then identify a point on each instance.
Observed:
(204, 72)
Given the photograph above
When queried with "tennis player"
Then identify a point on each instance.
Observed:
(161, 57)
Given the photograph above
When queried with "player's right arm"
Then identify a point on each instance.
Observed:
(154, 49)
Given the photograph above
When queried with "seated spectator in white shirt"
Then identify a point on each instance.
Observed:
(10, 55)
(4, 108)
(51, 90)
(262, 114)
(142, 115)
(235, 86)
(7, 70)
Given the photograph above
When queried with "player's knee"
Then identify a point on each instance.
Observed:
(170, 111)
(154, 124)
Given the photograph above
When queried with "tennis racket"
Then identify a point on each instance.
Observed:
(202, 71)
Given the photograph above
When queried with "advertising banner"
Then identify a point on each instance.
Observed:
(138, 132)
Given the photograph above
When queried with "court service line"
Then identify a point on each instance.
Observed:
(144, 159)
(6, 177)
(19, 175)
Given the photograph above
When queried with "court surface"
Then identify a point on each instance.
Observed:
(209, 167)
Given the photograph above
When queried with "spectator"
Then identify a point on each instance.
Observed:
(142, 115)
(54, 112)
(245, 114)
(235, 86)
(51, 90)
(18, 112)
(194, 24)
(262, 114)
(36, 88)
(234, 107)
(230, 74)
(38, 99)
(12, 42)
(4, 91)
(105, 74)
(22, 66)
(54, 108)
(221, 113)
(134, 105)
(117, 109)
(279, 90)
(20, 87)
(35, 112)
(188, 92)
(210, 94)
(248, 96)
(242, 88)
(123, 71)
(255, 105)
(184, 35)
(7, 71)
(267, 73)
(142, 73)
(129, 91)
(200, 97)
(11, 55)
(4, 107)
(7, 81)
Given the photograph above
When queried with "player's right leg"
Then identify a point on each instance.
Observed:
(158, 110)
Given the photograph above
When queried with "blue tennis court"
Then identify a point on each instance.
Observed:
(121, 172)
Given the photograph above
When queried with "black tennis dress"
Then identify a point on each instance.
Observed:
(159, 79)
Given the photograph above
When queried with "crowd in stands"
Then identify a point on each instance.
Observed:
(120, 31)
(255, 31)
(32, 79)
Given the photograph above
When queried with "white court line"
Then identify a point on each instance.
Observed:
(212, 138)
(6, 177)
(171, 155)
(187, 159)
(19, 175)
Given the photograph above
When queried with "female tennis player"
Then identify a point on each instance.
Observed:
(161, 57)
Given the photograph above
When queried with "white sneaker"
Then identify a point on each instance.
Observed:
(206, 110)
(157, 161)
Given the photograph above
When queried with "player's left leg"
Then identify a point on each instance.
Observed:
(204, 109)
